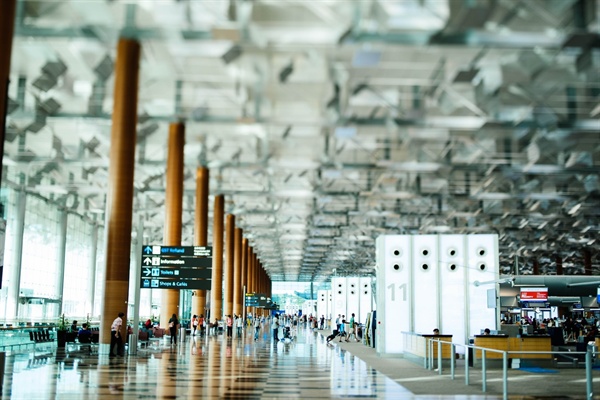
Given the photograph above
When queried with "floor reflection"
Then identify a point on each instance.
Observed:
(207, 367)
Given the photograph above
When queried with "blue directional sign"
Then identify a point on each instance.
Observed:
(191, 284)
(176, 267)
(183, 262)
(189, 251)
(177, 273)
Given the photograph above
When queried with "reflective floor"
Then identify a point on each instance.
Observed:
(212, 367)
(241, 368)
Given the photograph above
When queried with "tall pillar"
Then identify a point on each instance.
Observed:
(14, 270)
(216, 289)
(119, 203)
(7, 27)
(93, 243)
(243, 271)
(536, 266)
(237, 272)
(60, 257)
(229, 249)
(587, 261)
(201, 230)
(559, 264)
(173, 212)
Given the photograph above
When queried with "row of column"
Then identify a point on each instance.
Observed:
(242, 268)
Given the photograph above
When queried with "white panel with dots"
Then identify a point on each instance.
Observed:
(452, 268)
(338, 288)
(321, 303)
(425, 293)
(364, 288)
(393, 255)
(330, 306)
(352, 298)
(483, 271)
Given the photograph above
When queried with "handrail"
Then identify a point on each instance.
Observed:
(505, 355)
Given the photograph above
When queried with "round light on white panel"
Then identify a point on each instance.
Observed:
(452, 267)
(425, 267)
(482, 267)
(425, 252)
(398, 267)
(397, 252)
(452, 252)
(481, 252)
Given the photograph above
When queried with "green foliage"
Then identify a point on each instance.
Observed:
(62, 323)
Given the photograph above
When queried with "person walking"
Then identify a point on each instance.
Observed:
(256, 327)
(229, 322)
(342, 330)
(194, 324)
(239, 325)
(116, 338)
(275, 327)
(173, 322)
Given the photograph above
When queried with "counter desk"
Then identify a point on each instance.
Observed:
(506, 343)
(416, 346)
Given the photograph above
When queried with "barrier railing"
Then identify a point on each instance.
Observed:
(429, 363)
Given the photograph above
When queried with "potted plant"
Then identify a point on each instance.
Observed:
(61, 331)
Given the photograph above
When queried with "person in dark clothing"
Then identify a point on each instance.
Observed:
(173, 322)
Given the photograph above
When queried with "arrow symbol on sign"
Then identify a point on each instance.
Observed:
(147, 271)
(148, 250)
(147, 260)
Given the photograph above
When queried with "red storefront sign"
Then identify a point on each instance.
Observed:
(534, 294)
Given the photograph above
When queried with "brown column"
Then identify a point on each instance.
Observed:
(244, 271)
(229, 254)
(7, 27)
(250, 288)
(237, 272)
(536, 267)
(216, 290)
(559, 265)
(587, 262)
(173, 212)
(201, 230)
(119, 205)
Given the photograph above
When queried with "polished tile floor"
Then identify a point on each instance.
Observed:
(241, 368)
(212, 367)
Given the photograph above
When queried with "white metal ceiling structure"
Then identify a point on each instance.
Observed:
(327, 123)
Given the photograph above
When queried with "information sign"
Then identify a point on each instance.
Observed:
(176, 267)
(189, 251)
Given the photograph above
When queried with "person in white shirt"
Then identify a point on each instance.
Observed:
(256, 327)
(275, 327)
(115, 336)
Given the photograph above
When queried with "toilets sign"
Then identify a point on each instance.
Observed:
(176, 267)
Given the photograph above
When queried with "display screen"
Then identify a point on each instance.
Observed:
(534, 294)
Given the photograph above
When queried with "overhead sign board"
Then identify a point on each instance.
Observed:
(534, 294)
(176, 267)
(189, 251)
(183, 273)
(188, 262)
(191, 284)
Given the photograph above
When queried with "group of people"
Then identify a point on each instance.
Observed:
(345, 329)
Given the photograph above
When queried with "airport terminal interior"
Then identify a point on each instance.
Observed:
(182, 157)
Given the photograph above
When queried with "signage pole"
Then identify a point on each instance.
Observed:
(244, 305)
(136, 297)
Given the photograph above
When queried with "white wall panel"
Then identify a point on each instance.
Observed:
(453, 297)
(393, 292)
(330, 306)
(425, 286)
(338, 288)
(352, 298)
(322, 303)
(364, 288)
(482, 254)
